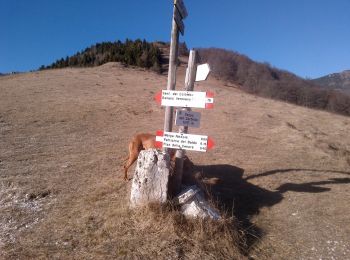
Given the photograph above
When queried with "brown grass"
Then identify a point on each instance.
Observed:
(283, 170)
(152, 232)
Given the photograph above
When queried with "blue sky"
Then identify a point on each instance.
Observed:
(310, 38)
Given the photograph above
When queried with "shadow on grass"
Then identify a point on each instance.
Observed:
(277, 171)
(238, 197)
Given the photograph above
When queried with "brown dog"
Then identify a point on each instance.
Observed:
(146, 141)
(140, 142)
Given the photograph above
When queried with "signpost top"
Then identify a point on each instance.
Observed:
(179, 22)
(181, 7)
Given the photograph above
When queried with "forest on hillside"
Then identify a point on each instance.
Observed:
(135, 53)
(263, 80)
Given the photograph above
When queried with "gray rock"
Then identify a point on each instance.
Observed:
(150, 181)
(193, 204)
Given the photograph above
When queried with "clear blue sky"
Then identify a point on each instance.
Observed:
(310, 38)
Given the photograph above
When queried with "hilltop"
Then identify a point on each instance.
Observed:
(338, 81)
(283, 170)
(134, 53)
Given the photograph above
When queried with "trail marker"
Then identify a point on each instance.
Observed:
(187, 118)
(202, 72)
(200, 143)
(179, 22)
(174, 98)
(181, 8)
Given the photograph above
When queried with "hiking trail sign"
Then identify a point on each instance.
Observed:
(180, 6)
(200, 143)
(187, 118)
(196, 99)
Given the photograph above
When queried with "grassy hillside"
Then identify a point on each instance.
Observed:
(64, 133)
(263, 80)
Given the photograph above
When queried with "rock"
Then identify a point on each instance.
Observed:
(150, 181)
(193, 204)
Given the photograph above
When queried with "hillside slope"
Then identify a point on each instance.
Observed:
(264, 80)
(284, 170)
(339, 81)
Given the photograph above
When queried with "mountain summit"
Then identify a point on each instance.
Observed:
(339, 81)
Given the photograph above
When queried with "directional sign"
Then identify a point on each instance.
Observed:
(202, 72)
(175, 98)
(179, 22)
(200, 143)
(181, 8)
(187, 118)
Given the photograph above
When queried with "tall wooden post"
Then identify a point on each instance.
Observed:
(174, 46)
(176, 179)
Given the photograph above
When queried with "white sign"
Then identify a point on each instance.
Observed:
(187, 118)
(202, 72)
(176, 98)
(198, 143)
(181, 8)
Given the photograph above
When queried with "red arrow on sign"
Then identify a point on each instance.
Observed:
(158, 97)
(210, 101)
(210, 143)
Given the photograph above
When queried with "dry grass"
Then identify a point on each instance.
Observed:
(283, 170)
(155, 232)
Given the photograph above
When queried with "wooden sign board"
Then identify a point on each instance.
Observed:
(181, 8)
(174, 98)
(187, 118)
(199, 143)
(179, 22)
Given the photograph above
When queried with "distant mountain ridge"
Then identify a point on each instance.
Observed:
(339, 81)
(264, 80)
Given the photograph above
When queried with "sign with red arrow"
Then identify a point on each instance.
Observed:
(194, 99)
(200, 143)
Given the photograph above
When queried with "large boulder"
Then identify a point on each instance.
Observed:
(151, 177)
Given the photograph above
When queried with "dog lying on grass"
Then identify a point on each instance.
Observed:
(144, 141)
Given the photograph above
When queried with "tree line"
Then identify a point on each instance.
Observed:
(263, 80)
(135, 53)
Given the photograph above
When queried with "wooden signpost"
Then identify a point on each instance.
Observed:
(185, 118)
(179, 8)
(185, 100)
(153, 180)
